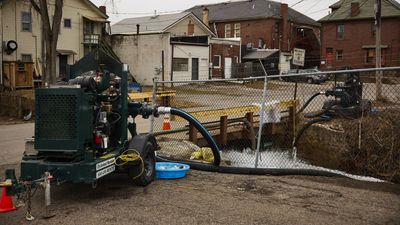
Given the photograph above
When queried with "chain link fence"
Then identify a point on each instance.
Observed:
(324, 120)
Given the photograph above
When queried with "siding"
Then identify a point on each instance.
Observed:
(31, 42)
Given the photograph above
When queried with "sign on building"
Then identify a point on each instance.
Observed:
(299, 56)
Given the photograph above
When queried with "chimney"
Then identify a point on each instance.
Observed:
(103, 9)
(206, 18)
(190, 28)
(285, 28)
(355, 8)
(137, 29)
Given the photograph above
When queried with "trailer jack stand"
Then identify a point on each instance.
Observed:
(29, 216)
(47, 196)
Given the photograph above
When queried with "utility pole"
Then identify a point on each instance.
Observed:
(378, 51)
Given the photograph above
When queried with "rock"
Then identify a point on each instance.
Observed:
(177, 149)
(324, 144)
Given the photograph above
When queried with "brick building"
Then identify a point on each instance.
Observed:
(263, 24)
(348, 35)
(225, 54)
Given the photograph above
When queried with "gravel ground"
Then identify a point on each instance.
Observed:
(211, 198)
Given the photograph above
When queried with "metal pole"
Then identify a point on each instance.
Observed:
(378, 49)
(262, 114)
(2, 50)
(163, 69)
(153, 100)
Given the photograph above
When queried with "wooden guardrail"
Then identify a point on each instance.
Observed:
(240, 111)
(165, 96)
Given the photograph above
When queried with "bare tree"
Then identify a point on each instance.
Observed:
(50, 33)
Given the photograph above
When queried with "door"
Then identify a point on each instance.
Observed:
(63, 61)
(195, 68)
(228, 68)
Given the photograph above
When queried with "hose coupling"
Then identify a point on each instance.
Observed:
(164, 110)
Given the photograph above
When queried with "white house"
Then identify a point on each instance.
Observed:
(21, 58)
(182, 38)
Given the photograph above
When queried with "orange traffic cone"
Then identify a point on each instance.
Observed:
(166, 123)
(6, 203)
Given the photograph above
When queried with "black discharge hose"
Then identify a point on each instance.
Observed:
(213, 145)
(252, 171)
(215, 167)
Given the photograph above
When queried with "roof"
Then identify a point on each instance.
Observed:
(153, 24)
(93, 6)
(260, 54)
(249, 10)
(390, 8)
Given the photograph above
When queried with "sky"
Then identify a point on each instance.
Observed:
(121, 9)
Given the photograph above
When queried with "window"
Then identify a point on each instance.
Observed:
(370, 55)
(180, 64)
(340, 32)
(329, 50)
(26, 58)
(237, 30)
(339, 55)
(228, 30)
(26, 21)
(67, 23)
(216, 61)
(88, 27)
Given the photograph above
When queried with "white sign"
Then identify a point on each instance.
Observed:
(298, 56)
(104, 164)
(105, 171)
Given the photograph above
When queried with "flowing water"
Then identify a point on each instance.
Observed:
(279, 159)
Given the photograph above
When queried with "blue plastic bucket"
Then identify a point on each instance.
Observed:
(171, 170)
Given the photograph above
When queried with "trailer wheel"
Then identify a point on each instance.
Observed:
(143, 176)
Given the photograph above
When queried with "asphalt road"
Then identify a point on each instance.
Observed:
(211, 198)
(12, 139)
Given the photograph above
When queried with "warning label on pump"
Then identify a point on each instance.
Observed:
(105, 171)
(105, 163)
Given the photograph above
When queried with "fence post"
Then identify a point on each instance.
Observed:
(223, 131)
(262, 114)
(192, 134)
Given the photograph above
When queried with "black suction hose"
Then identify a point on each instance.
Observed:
(309, 101)
(321, 112)
(213, 145)
(307, 125)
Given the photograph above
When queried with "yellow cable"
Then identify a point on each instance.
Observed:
(126, 157)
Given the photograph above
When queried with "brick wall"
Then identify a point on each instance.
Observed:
(225, 51)
(358, 34)
(252, 30)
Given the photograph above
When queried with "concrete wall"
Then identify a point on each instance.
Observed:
(357, 34)
(143, 54)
